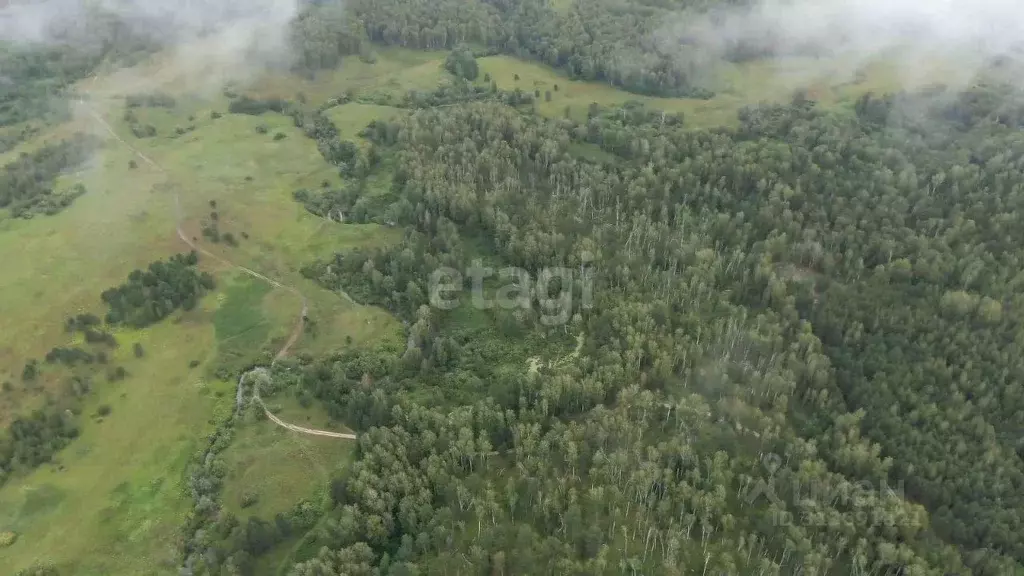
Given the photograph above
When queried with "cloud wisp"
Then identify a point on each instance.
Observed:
(962, 36)
(208, 38)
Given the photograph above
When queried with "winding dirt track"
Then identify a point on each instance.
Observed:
(299, 324)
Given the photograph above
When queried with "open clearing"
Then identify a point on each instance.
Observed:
(279, 467)
(114, 499)
(736, 86)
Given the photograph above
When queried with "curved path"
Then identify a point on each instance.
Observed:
(299, 325)
(260, 371)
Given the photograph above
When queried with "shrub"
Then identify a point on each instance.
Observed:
(143, 131)
(104, 410)
(253, 107)
(139, 351)
(461, 63)
(155, 100)
(100, 337)
(30, 372)
(39, 570)
(211, 233)
(248, 499)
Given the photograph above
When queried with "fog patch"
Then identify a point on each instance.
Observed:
(840, 37)
(209, 41)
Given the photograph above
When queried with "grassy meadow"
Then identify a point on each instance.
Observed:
(113, 500)
(279, 468)
(735, 85)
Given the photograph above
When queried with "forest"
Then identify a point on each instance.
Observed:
(600, 40)
(797, 353)
(799, 358)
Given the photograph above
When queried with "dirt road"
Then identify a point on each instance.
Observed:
(299, 324)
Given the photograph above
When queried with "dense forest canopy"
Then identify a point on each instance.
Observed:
(798, 357)
(601, 40)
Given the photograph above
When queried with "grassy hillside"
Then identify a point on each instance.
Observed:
(113, 501)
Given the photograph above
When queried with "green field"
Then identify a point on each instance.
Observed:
(279, 467)
(351, 118)
(58, 266)
(735, 86)
(113, 501)
(394, 73)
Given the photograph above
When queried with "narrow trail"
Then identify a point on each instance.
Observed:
(300, 324)
(262, 372)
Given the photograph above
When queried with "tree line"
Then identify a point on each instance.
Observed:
(27, 185)
(594, 40)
